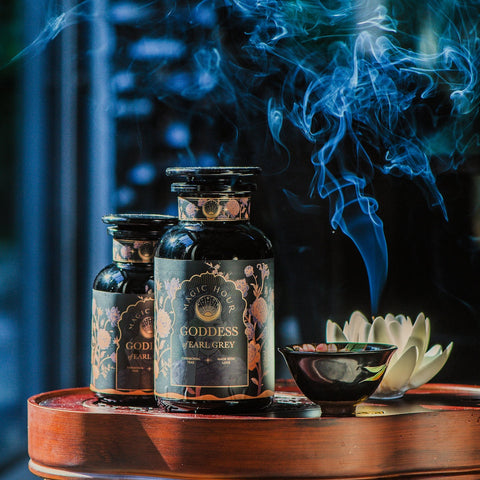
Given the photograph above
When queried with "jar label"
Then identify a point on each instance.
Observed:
(220, 209)
(214, 329)
(133, 251)
(122, 343)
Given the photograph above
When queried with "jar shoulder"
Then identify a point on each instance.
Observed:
(129, 279)
(198, 241)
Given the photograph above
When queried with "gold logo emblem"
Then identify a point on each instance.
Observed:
(211, 209)
(208, 308)
(146, 251)
(146, 327)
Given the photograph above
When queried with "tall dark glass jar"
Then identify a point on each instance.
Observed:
(122, 311)
(214, 297)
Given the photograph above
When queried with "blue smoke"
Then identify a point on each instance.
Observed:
(371, 98)
(56, 21)
(373, 87)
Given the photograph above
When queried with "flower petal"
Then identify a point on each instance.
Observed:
(428, 370)
(379, 332)
(428, 330)
(420, 331)
(358, 325)
(405, 323)
(433, 352)
(395, 332)
(402, 330)
(398, 373)
(364, 333)
(389, 317)
(334, 332)
(405, 319)
(418, 344)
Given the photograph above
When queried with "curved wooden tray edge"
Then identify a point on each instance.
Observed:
(58, 474)
(69, 443)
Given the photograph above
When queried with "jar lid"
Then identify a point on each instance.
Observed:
(213, 179)
(144, 222)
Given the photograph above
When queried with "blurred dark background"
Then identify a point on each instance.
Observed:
(112, 92)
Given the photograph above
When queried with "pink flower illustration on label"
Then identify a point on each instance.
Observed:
(122, 343)
(248, 271)
(253, 355)
(104, 339)
(260, 310)
(233, 208)
(164, 323)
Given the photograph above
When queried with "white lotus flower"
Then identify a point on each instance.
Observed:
(411, 365)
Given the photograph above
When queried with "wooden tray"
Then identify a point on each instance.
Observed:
(434, 432)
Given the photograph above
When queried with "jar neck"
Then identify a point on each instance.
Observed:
(214, 208)
(131, 251)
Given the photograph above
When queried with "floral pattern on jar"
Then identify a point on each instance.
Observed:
(254, 281)
(122, 343)
(224, 209)
(133, 251)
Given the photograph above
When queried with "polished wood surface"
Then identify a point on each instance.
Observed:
(433, 433)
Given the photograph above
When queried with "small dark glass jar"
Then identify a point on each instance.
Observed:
(214, 310)
(122, 311)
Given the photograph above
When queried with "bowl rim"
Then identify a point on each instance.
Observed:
(381, 347)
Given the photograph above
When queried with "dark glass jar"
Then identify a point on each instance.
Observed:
(214, 310)
(122, 311)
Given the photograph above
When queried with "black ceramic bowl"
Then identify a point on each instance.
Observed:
(337, 376)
